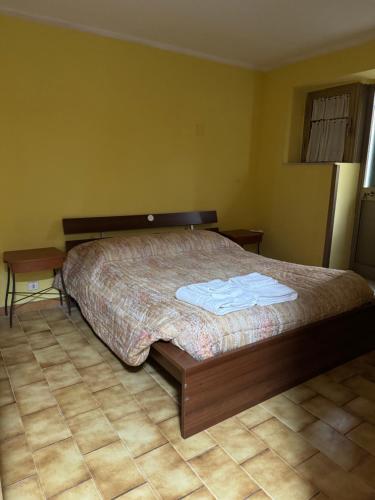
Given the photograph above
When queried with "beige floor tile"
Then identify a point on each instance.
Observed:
(166, 381)
(139, 433)
(330, 442)
(34, 397)
(345, 371)
(76, 315)
(18, 354)
(200, 494)
(364, 436)
(277, 479)
(362, 387)
(286, 443)
(363, 408)
(332, 414)
(239, 442)
(34, 325)
(5, 329)
(299, 393)
(288, 412)
(10, 422)
(136, 380)
(4, 323)
(365, 358)
(60, 467)
(53, 314)
(28, 489)
(107, 466)
(99, 376)
(80, 325)
(83, 491)
(63, 375)
(12, 339)
(25, 374)
(50, 356)
(222, 475)
(75, 399)
(157, 466)
(6, 394)
(157, 403)
(61, 326)
(138, 394)
(16, 462)
(3, 372)
(85, 356)
(370, 357)
(91, 430)
(113, 361)
(190, 447)
(368, 371)
(86, 329)
(27, 315)
(333, 481)
(72, 341)
(365, 470)
(337, 393)
(42, 339)
(260, 495)
(149, 366)
(254, 416)
(97, 344)
(116, 402)
(143, 492)
(45, 427)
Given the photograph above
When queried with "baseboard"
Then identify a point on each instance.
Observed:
(32, 306)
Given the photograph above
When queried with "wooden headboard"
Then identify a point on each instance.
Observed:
(128, 222)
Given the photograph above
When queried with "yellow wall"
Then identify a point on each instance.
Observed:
(292, 200)
(95, 126)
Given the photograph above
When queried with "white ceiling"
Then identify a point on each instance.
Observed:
(260, 34)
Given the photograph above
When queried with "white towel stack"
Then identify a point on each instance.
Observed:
(222, 297)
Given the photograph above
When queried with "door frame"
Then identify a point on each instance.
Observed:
(365, 145)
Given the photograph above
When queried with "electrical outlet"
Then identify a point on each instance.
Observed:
(32, 286)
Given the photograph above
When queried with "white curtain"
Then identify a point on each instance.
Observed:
(329, 121)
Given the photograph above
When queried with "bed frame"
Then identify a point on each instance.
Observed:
(217, 388)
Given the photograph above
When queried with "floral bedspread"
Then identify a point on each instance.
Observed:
(126, 288)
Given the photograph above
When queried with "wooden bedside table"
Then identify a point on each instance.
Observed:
(244, 237)
(28, 261)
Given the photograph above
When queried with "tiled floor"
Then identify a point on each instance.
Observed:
(76, 424)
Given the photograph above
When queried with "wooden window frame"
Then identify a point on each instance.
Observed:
(357, 112)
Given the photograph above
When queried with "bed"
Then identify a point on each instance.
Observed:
(125, 288)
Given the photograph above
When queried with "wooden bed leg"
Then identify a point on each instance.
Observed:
(205, 400)
(190, 421)
(184, 407)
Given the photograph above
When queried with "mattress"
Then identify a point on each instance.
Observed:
(125, 287)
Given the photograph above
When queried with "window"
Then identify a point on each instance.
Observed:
(369, 180)
(334, 120)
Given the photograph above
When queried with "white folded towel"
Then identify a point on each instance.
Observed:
(253, 280)
(275, 294)
(222, 297)
(233, 299)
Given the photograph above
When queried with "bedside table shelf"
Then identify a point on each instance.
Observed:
(244, 237)
(28, 261)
